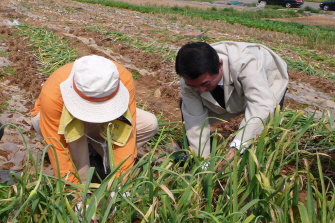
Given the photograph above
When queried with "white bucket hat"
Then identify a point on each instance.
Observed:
(93, 92)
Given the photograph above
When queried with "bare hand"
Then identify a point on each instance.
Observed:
(228, 156)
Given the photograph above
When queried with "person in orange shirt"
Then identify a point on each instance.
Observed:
(80, 102)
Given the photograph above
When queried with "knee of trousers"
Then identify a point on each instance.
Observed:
(152, 125)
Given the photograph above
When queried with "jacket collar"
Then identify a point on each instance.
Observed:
(228, 84)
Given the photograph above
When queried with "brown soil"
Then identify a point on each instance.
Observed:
(157, 88)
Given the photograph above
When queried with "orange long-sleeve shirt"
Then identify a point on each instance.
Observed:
(50, 105)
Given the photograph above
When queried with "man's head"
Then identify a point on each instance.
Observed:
(93, 92)
(199, 65)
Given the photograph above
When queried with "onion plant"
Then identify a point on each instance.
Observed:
(274, 180)
(51, 51)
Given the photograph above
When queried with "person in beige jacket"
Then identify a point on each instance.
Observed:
(251, 79)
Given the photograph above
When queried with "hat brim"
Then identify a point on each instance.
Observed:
(95, 112)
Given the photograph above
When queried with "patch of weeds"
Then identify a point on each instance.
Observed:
(310, 63)
(298, 106)
(4, 37)
(212, 9)
(113, 33)
(3, 106)
(253, 4)
(30, 134)
(300, 11)
(10, 70)
(230, 9)
(178, 36)
(173, 19)
(274, 7)
(312, 10)
(136, 75)
(187, 8)
(301, 66)
(155, 31)
(176, 8)
(170, 38)
(4, 53)
(7, 71)
(69, 10)
(315, 36)
(313, 55)
(94, 28)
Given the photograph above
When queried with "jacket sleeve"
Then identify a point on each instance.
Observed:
(195, 116)
(254, 68)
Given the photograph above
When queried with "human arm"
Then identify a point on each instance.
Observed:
(50, 106)
(255, 81)
(59, 154)
(256, 74)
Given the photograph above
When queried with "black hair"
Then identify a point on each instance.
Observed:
(197, 58)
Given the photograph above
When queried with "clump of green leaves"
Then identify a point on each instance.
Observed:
(310, 9)
(300, 11)
(265, 184)
(135, 75)
(7, 71)
(213, 9)
(51, 51)
(274, 7)
(253, 4)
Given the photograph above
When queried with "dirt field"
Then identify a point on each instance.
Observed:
(157, 88)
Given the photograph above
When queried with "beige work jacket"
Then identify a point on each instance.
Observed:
(254, 81)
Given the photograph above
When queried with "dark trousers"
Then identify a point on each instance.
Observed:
(1, 131)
